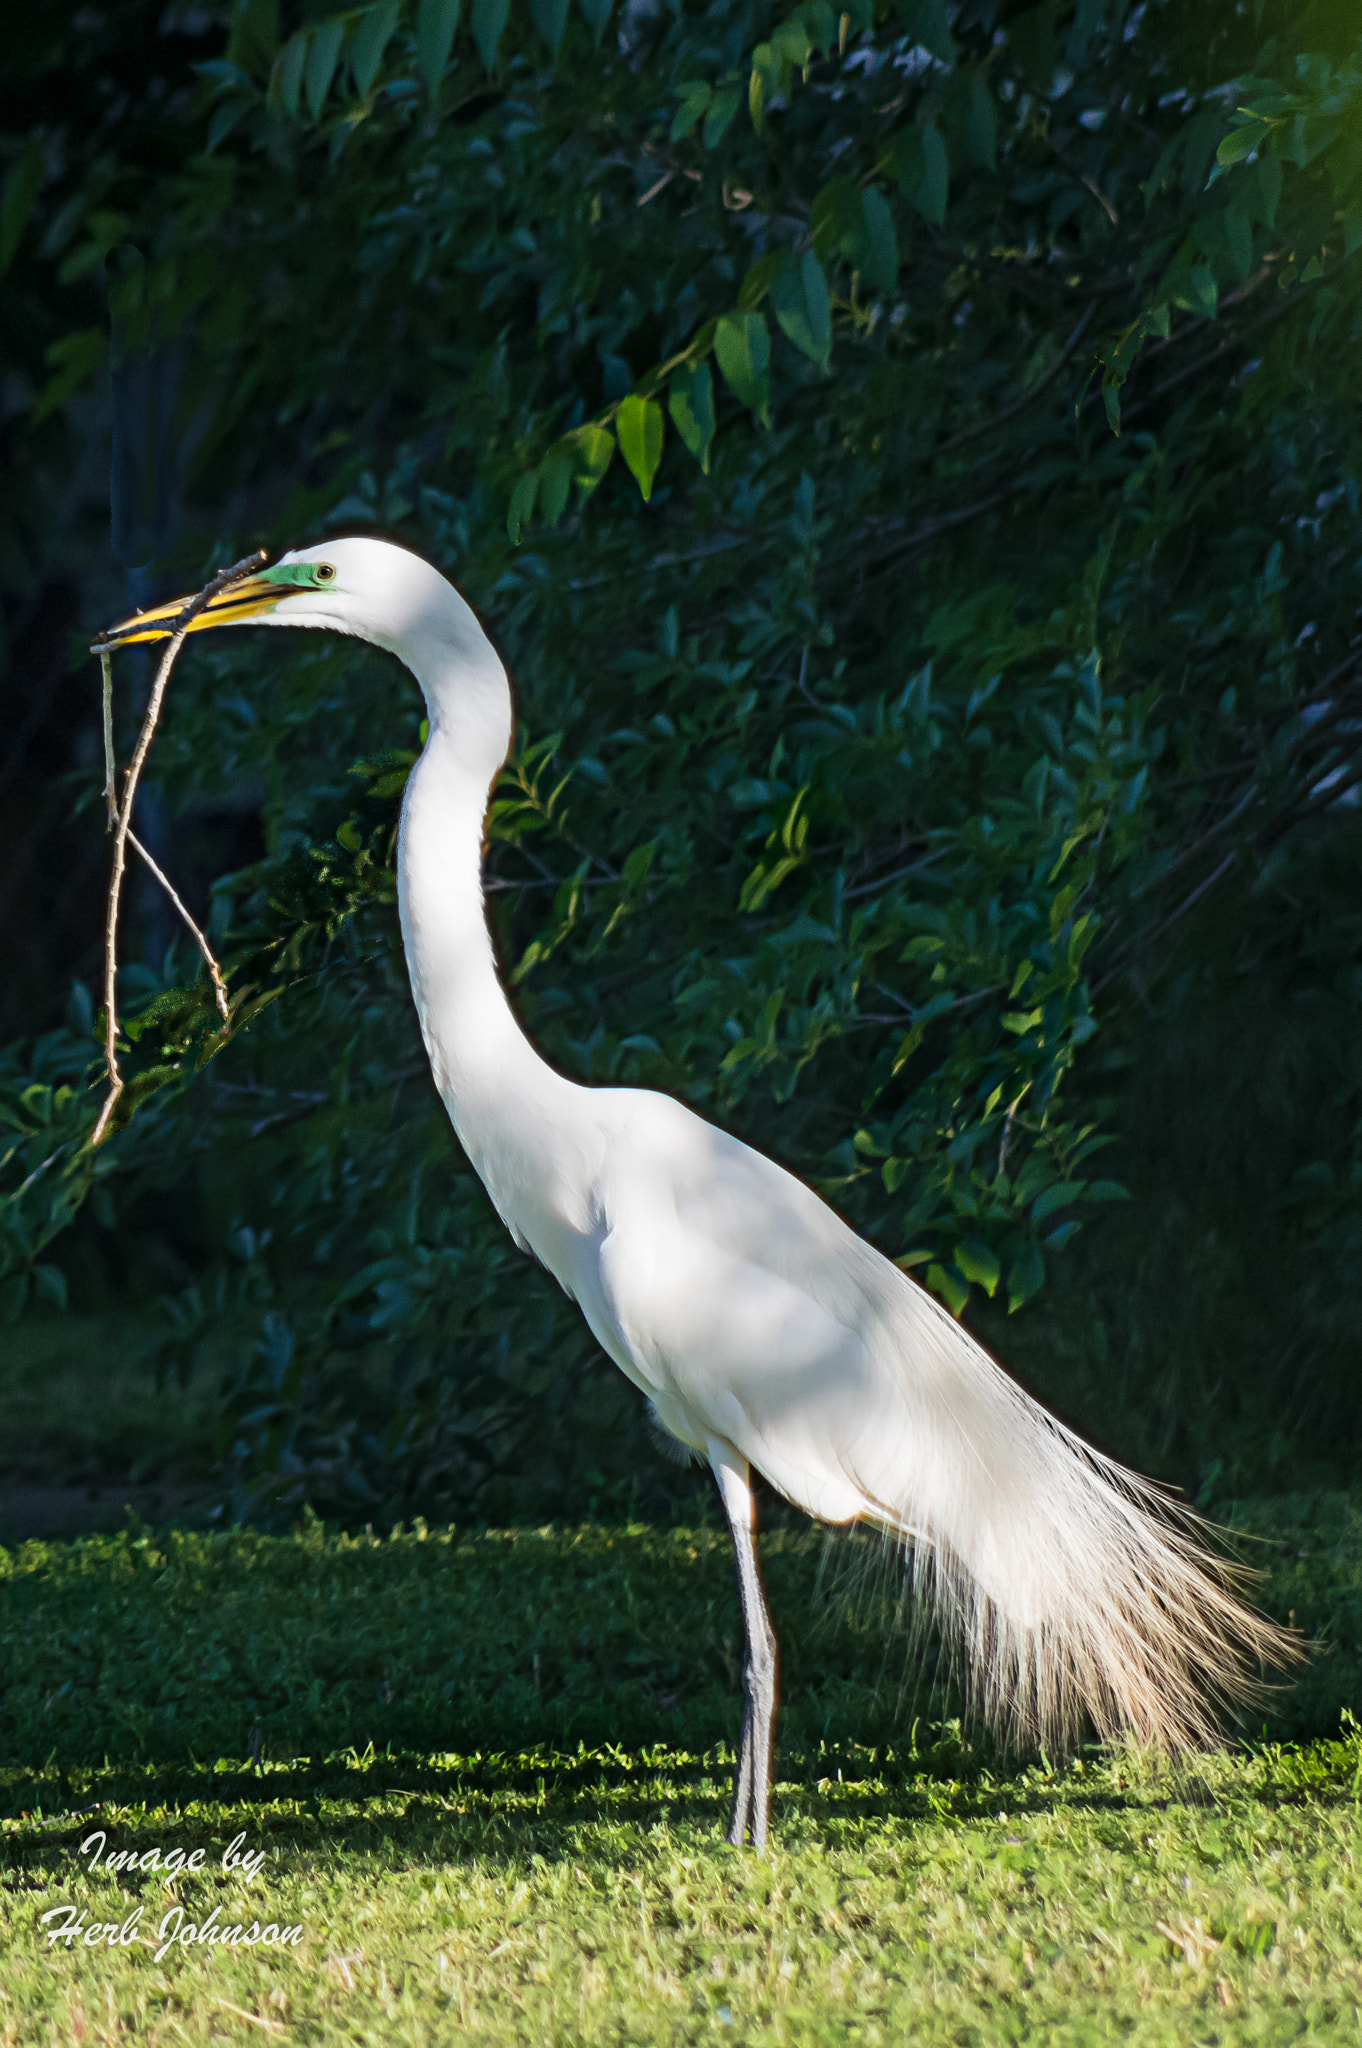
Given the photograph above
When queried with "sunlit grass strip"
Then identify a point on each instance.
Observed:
(600, 1906)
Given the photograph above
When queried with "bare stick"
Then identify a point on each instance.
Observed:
(111, 808)
(110, 772)
(123, 825)
(219, 985)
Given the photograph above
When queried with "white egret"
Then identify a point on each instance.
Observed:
(765, 1333)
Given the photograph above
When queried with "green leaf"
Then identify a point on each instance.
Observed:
(695, 99)
(691, 405)
(639, 430)
(758, 281)
(951, 1286)
(224, 119)
(555, 482)
(372, 38)
(979, 1263)
(594, 448)
(722, 108)
(437, 23)
(286, 82)
(836, 216)
(18, 194)
(1026, 1276)
(926, 22)
(803, 310)
(638, 864)
(879, 252)
(934, 190)
(763, 84)
(550, 18)
(49, 1285)
(791, 42)
(322, 58)
(1088, 18)
(918, 159)
(255, 35)
(596, 13)
(820, 21)
(1056, 1198)
(742, 348)
(1241, 143)
(522, 504)
(764, 881)
(489, 24)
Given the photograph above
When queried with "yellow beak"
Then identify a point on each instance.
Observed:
(250, 599)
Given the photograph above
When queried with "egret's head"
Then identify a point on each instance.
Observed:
(371, 589)
(375, 591)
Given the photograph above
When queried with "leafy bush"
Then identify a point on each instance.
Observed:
(908, 460)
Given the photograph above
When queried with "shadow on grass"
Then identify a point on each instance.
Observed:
(406, 1810)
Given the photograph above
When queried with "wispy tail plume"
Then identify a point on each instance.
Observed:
(1074, 1595)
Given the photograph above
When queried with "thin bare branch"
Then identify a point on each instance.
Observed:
(219, 985)
(1144, 940)
(110, 767)
(1028, 397)
(1198, 845)
(123, 825)
(1288, 304)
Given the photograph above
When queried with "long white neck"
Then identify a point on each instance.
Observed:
(493, 1083)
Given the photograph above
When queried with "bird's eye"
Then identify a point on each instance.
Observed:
(326, 572)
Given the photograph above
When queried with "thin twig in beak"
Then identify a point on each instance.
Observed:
(110, 772)
(123, 826)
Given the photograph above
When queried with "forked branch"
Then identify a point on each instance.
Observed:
(214, 971)
(120, 817)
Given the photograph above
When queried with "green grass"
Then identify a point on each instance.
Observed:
(588, 1899)
(488, 1774)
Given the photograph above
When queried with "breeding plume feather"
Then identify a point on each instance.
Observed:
(765, 1333)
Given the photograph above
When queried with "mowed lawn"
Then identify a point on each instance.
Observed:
(484, 1777)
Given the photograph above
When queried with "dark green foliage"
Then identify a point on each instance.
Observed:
(915, 773)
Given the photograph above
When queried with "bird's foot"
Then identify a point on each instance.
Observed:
(750, 1817)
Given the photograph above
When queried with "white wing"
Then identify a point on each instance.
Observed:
(751, 1313)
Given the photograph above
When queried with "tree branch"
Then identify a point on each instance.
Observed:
(123, 824)
(219, 986)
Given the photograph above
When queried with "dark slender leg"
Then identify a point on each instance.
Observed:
(752, 1785)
